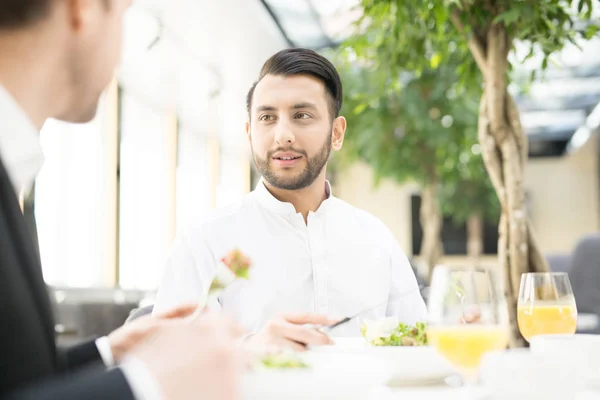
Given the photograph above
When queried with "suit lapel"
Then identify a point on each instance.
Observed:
(30, 263)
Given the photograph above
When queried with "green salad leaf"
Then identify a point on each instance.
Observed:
(283, 360)
(402, 335)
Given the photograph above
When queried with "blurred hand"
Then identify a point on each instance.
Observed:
(126, 337)
(195, 359)
(287, 331)
(471, 316)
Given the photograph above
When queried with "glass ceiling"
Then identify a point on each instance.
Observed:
(313, 24)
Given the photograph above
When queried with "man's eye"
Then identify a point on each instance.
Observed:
(303, 116)
(266, 117)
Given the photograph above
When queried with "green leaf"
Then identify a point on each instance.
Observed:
(588, 13)
(435, 60)
(508, 17)
(591, 31)
(359, 108)
(549, 25)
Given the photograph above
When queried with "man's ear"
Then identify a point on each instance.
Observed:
(339, 131)
(248, 134)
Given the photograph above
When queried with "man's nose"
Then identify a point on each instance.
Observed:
(284, 135)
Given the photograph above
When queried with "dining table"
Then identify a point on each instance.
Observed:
(353, 370)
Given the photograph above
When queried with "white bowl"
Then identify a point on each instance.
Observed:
(415, 365)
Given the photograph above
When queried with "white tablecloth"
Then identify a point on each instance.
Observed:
(445, 393)
(359, 374)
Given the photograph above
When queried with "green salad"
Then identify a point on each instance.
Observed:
(283, 360)
(400, 335)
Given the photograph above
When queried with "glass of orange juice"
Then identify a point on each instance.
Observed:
(546, 305)
(467, 317)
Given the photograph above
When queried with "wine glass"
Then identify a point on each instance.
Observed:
(467, 317)
(546, 305)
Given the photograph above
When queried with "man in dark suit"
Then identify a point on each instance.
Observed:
(56, 57)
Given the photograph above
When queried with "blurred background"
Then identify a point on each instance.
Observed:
(168, 146)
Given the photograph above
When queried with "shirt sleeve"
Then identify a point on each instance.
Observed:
(405, 301)
(188, 274)
(142, 383)
(105, 351)
(140, 380)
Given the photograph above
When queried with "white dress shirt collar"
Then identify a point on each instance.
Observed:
(268, 201)
(20, 148)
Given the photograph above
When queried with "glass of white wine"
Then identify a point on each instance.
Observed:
(467, 317)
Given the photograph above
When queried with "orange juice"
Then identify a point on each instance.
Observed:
(543, 318)
(464, 345)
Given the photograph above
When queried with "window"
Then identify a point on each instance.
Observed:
(454, 237)
(73, 202)
(197, 175)
(147, 192)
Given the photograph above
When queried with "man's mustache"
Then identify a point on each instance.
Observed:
(290, 149)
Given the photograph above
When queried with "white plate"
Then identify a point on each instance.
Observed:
(331, 376)
(417, 365)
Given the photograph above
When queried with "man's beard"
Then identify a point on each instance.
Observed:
(313, 168)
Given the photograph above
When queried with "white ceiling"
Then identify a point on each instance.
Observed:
(206, 47)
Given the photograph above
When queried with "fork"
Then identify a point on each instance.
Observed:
(329, 328)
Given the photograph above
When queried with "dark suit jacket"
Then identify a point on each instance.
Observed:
(31, 366)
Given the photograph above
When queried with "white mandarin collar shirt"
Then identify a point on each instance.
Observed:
(22, 157)
(340, 262)
(20, 148)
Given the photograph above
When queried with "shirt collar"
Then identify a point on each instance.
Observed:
(268, 201)
(20, 148)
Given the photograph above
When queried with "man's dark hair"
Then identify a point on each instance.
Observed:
(16, 14)
(298, 61)
(20, 13)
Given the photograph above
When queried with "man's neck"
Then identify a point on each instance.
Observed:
(26, 72)
(303, 200)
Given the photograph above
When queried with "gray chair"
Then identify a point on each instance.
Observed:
(559, 262)
(139, 312)
(422, 283)
(76, 322)
(584, 274)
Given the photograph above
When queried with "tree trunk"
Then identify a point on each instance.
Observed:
(504, 150)
(431, 221)
(475, 237)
